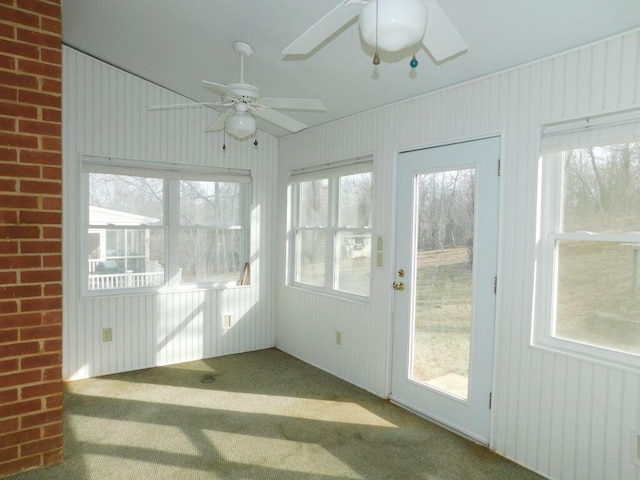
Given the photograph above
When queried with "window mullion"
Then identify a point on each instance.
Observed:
(330, 263)
(172, 231)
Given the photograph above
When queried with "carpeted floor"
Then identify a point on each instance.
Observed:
(259, 415)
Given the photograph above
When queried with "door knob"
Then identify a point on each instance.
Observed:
(398, 286)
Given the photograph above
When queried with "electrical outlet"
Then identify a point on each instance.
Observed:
(226, 321)
(106, 334)
(339, 339)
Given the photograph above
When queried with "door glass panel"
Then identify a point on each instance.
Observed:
(441, 327)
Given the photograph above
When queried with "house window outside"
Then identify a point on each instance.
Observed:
(153, 228)
(588, 293)
(330, 234)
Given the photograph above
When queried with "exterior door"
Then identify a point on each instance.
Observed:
(446, 247)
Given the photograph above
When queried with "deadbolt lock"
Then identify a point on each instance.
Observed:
(398, 286)
(401, 273)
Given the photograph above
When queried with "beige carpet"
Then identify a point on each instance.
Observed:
(259, 415)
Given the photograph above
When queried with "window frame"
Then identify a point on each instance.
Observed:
(171, 175)
(549, 233)
(331, 172)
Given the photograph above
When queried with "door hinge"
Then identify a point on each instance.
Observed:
(490, 399)
(495, 285)
(498, 167)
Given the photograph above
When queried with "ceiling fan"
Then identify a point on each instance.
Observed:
(241, 102)
(391, 25)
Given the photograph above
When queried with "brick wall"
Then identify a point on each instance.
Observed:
(30, 235)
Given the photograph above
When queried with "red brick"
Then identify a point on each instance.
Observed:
(8, 124)
(9, 94)
(21, 436)
(18, 140)
(50, 9)
(8, 154)
(50, 85)
(7, 278)
(22, 320)
(18, 201)
(8, 307)
(53, 373)
(40, 218)
(40, 99)
(52, 457)
(40, 446)
(21, 171)
(39, 38)
(52, 173)
(20, 261)
(7, 184)
(36, 67)
(7, 31)
(53, 430)
(8, 216)
(51, 261)
(39, 276)
(51, 115)
(42, 418)
(8, 62)
(20, 291)
(7, 336)
(51, 25)
(40, 158)
(38, 361)
(18, 110)
(43, 389)
(52, 143)
(8, 366)
(23, 463)
(39, 304)
(40, 128)
(17, 231)
(28, 186)
(9, 425)
(15, 79)
(52, 289)
(9, 396)
(18, 48)
(19, 16)
(52, 346)
(9, 453)
(20, 378)
(17, 349)
(52, 232)
(51, 55)
(52, 318)
(34, 333)
(40, 246)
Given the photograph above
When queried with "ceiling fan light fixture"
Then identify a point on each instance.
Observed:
(400, 23)
(240, 124)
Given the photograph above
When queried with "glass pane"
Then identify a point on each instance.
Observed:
(125, 258)
(601, 191)
(125, 200)
(598, 295)
(443, 290)
(354, 209)
(209, 255)
(310, 249)
(353, 265)
(209, 203)
(314, 203)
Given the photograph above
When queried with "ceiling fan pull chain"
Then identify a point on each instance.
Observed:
(376, 57)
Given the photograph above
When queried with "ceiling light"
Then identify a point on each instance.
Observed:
(240, 123)
(398, 23)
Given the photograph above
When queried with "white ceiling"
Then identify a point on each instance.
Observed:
(178, 43)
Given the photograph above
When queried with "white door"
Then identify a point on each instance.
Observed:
(446, 246)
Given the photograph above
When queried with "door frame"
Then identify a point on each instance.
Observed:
(396, 152)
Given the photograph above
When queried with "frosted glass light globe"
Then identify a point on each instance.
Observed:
(401, 23)
(240, 124)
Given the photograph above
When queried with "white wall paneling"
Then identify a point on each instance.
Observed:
(564, 417)
(105, 114)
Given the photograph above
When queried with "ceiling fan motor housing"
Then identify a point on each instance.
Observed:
(245, 90)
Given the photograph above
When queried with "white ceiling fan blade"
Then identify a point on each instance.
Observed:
(312, 104)
(219, 122)
(220, 90)
(324, 28)
(279, 119)
(184, 105)
(442, 38)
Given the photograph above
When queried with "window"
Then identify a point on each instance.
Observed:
(588, 296)
(330, 234)
(152, 227)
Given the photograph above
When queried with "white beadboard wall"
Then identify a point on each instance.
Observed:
(105, 113)
(563, 417)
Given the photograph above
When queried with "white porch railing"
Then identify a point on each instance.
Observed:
(125, 280)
